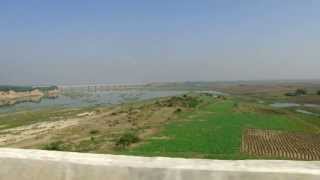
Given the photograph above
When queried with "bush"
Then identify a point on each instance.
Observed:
(126, 139)
(291, 94)
(318, 92)
(301, 92)
(94, 131)
(55, 146)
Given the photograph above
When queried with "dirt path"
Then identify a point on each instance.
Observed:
(14, 135)
(41, 130)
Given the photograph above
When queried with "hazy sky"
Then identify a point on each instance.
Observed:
(133, 41)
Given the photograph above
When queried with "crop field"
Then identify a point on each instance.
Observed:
(215, 131)
(297, 146)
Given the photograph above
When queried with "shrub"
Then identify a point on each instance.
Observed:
(291, 94)
(93, 139)
(178, 110)
(55, 146)
(318, 92)
(301, 91)
(94, 131)
(126, 139)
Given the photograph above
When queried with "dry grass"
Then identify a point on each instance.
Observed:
(108, 124)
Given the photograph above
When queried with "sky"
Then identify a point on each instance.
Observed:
(107, 41)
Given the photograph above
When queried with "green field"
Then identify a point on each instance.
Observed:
(215, 129)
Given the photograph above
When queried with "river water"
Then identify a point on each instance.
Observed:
(295, 105)
(288, 105)
(80, 98)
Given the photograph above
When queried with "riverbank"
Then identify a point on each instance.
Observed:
(17, 92)
(12, 95)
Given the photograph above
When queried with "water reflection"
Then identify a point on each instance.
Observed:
(288, 105)
(307, 112)
(284, 105)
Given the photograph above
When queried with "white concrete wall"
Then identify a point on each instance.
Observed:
(18, 164)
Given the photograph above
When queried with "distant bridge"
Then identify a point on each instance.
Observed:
(103, 87)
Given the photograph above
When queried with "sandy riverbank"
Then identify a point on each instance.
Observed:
(11, 95)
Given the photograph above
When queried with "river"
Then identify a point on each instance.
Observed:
(76, 98)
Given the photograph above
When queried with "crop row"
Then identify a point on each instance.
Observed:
(269, 143)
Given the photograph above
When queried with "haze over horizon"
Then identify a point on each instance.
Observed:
(86, 42)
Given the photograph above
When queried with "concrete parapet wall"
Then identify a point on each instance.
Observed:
(18, 164)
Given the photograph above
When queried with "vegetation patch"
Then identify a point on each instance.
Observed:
(126, 139)
(26, 88)
(215, 130)
(298, 92)
(94, 131)
(55, 146)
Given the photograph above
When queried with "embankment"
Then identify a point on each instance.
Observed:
(11, 95)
